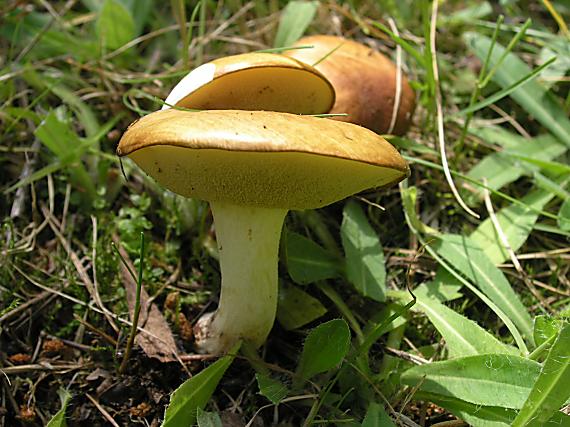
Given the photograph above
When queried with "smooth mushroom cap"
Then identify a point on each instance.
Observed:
(263, 159)
(364, 80)
(254, 81)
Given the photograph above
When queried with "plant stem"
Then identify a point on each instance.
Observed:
(136, 313)
(248, 242)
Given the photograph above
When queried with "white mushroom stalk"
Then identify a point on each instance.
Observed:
(248, 246)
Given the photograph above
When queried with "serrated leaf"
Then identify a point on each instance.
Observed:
(467, 258)
(307, 262)
(208, 419)
(295, 19)
(296, 308)
(551, 390)
(195, 392)
(325, 347)
(272, 389)
(365, 267)
(490, 379)
(115, 25)
(463, 337)
(376, 416)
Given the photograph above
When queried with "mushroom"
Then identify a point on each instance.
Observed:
(252, 167)
(365, 82)
(254, 81)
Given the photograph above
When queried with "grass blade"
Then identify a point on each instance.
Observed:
(533, 97)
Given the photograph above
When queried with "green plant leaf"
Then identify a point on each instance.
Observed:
(516, 221)
(295, 18)
(564, 215)
(504, 167)
(376, 416)
(115, 25)
(364, 255)
(272, 389)
(467, 258)
(296, 307)
(551, 390)
(307, 262)
(533, 97)
(58, 419)
(195, 392)
(545, 327)
(490, 379)
(474, 415)
(463, 337)
(208, 419)
(325, 347)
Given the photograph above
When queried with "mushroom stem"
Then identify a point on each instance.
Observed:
(248, 245)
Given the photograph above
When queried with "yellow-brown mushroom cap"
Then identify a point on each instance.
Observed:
(364, 81)
(254, 81)
(259, 158)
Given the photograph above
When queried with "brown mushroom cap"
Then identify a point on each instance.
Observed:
(258, 158)
(364, 81)
(254, 81)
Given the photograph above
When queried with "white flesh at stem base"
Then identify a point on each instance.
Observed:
(248, 244)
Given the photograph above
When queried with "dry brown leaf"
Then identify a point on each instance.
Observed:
(156, 338)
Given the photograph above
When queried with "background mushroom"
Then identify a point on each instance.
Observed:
(364, 80)
(254, 81)
(253, 166)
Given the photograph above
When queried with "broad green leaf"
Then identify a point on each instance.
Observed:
(443, 287)
(308, 262)
(466, 257)
(489, 379)
(57, 136)
(516, 222)
(296, 307)
(376, 416)
(208, 419)
(58, 419)
(272, 389)
(463, 336)
(325, 347)
(502, 168)
(295, 18)
(564, 215)
(66, 145)
(545, 327)
(475, 415)
(195, 392)
(365, 267)
(533, 97)
(115, 25)
(551, 390)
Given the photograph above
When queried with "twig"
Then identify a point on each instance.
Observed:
(103, 411)
(505, 242)
(55, 226)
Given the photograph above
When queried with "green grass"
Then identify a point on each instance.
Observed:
(484, 338)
